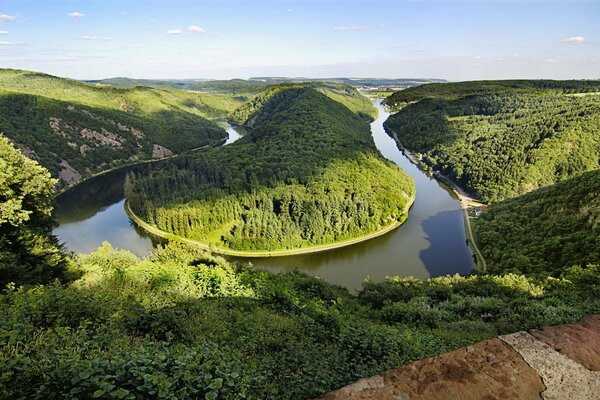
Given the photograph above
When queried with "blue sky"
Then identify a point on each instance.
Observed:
(455, 40)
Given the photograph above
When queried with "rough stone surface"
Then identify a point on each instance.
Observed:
(564, 378)
(579, 341)
(159, 151)
(487, 370)
(68, 174)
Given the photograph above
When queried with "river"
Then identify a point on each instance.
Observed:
(432, 241)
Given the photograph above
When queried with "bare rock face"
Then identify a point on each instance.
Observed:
(579, 341)
(159, 151)
(68, 174)
(487, 370)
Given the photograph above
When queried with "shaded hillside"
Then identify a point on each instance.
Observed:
(308, 173)
(543, 231)
(75, 129)
(505, 138)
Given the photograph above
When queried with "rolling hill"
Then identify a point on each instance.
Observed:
(76, 129)
(307, 173)
(500, 139)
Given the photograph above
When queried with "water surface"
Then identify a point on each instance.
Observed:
(431, 242)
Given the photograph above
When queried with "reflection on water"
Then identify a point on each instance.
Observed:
(431, 242)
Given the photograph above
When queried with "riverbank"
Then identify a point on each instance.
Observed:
(262, 254)
(129, 165)
(223, 124)
(466, 201)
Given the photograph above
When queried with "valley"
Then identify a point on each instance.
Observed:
(295, 167)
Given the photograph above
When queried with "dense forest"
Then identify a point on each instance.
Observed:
(75, 129)
(184, 324)
(543, 231)
(500, 139)
(307, 173)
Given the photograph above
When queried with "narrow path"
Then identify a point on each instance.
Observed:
(276, 253)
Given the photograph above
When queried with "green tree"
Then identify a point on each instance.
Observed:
(28, 251)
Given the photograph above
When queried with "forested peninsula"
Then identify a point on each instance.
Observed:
(501, 139)
(306, 174)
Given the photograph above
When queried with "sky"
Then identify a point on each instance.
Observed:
(448, 39)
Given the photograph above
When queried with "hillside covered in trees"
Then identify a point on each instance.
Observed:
(184, 324)
(543, 231)
(500, 139)
(75, 129)
(307, 173)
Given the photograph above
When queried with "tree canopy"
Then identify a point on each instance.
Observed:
(28, 251)
(307, 173)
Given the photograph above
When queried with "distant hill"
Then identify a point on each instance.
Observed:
(544, 231)
(256, 84)
(500, 139)
(365, 82)
(76, 129)
(307, 173)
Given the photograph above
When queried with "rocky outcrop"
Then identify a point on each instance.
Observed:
(159, 151)
(68, 174)
(559, 362)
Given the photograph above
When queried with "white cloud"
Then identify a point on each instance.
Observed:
(349, 27)
(196, 29)
(575, 40)
(357, 27)
(3, 32)
(176, 31)
(93, 37)
(6, 17)
(5, 43)
(76, 14)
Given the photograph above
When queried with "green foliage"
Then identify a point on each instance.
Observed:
(155, 328)
(455, 90)
(308, 173)
(55, 120)
(543, 231)
(348, 96)
(28, 251)
(500, 139)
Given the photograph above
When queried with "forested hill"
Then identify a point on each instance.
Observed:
(308, 173)
(453, 90)
(500, 139)
(544, 231)
(76, 129)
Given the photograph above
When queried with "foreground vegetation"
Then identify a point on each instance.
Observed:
(307, 173)
(543, 231)
(500, 139)
(183, 324)
(186, 325)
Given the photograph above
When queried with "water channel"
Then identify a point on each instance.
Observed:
(432, 241)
